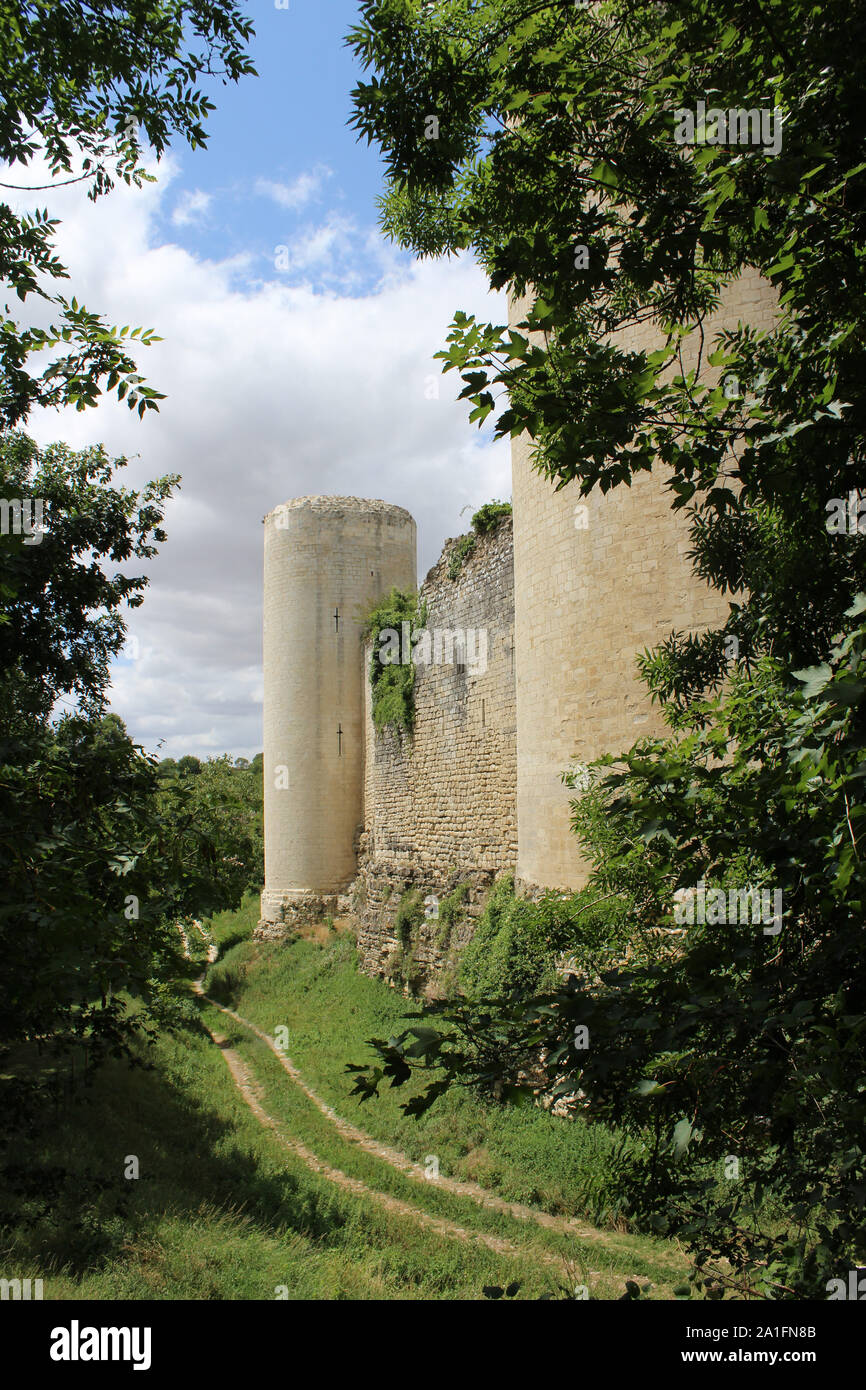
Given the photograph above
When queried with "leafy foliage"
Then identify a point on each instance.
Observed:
(60, 624)
(450, 909)
(556, 131)
(409, 916)
(391, 679)
(227, 797)
(460, 552)
(510, 948)
(484, 521)
(488, 517)
(101, 857)
(733, 1054)
(83, 86)
(732, 1041)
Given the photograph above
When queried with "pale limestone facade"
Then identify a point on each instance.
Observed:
(327, 561)
(592, 589)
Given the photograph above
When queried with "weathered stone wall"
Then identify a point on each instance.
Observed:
(440, 803)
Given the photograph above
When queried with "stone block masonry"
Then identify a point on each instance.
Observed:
(440, 803)
(386, 823)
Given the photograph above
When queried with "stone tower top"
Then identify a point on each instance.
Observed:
(343, 504)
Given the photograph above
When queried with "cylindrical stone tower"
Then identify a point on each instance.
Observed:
(328, 560)
(596, 580)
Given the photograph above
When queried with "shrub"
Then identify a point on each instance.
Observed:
(488, 517)
(485, 520)
(449, 910)
(463, 547)
(410, 915)
(509, 950)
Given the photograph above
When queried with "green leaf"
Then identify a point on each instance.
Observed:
(681, 1137)
(814, 679)
(648, 1088)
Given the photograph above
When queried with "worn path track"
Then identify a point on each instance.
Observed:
(395, 1159)
(251, 1093)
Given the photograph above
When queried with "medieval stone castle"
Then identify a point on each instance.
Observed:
(566, 593)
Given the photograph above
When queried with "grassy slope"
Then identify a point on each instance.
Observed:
(330, 1011)
(314, 990)
(222, 1211)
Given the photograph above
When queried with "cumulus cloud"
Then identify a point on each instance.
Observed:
(306, 188)
(190, 207)
(316, 379)
(337, 254)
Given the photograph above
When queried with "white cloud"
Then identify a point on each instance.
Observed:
(306, 188)
(191, 207)
(336, 254)
(275, 389)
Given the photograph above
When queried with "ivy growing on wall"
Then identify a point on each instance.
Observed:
(392, 675)
(392, 680)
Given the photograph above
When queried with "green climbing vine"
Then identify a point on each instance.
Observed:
(392, 679)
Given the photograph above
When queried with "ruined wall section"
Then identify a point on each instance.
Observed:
(440, 803)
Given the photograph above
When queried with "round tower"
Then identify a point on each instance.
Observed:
(328, 560)
(596, 580)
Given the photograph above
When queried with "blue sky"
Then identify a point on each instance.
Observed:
(305, 371)
(281, 152)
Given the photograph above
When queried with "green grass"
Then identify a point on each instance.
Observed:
(221, 1209)
(303, 1121)
(330, 1011)
(524, 1155)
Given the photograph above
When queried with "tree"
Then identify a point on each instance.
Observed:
(103, 851)
(554, 155)
(224, 800)
(74, 792)
(61, 621)
(100, 860)
(83, 86)
(554, 134)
